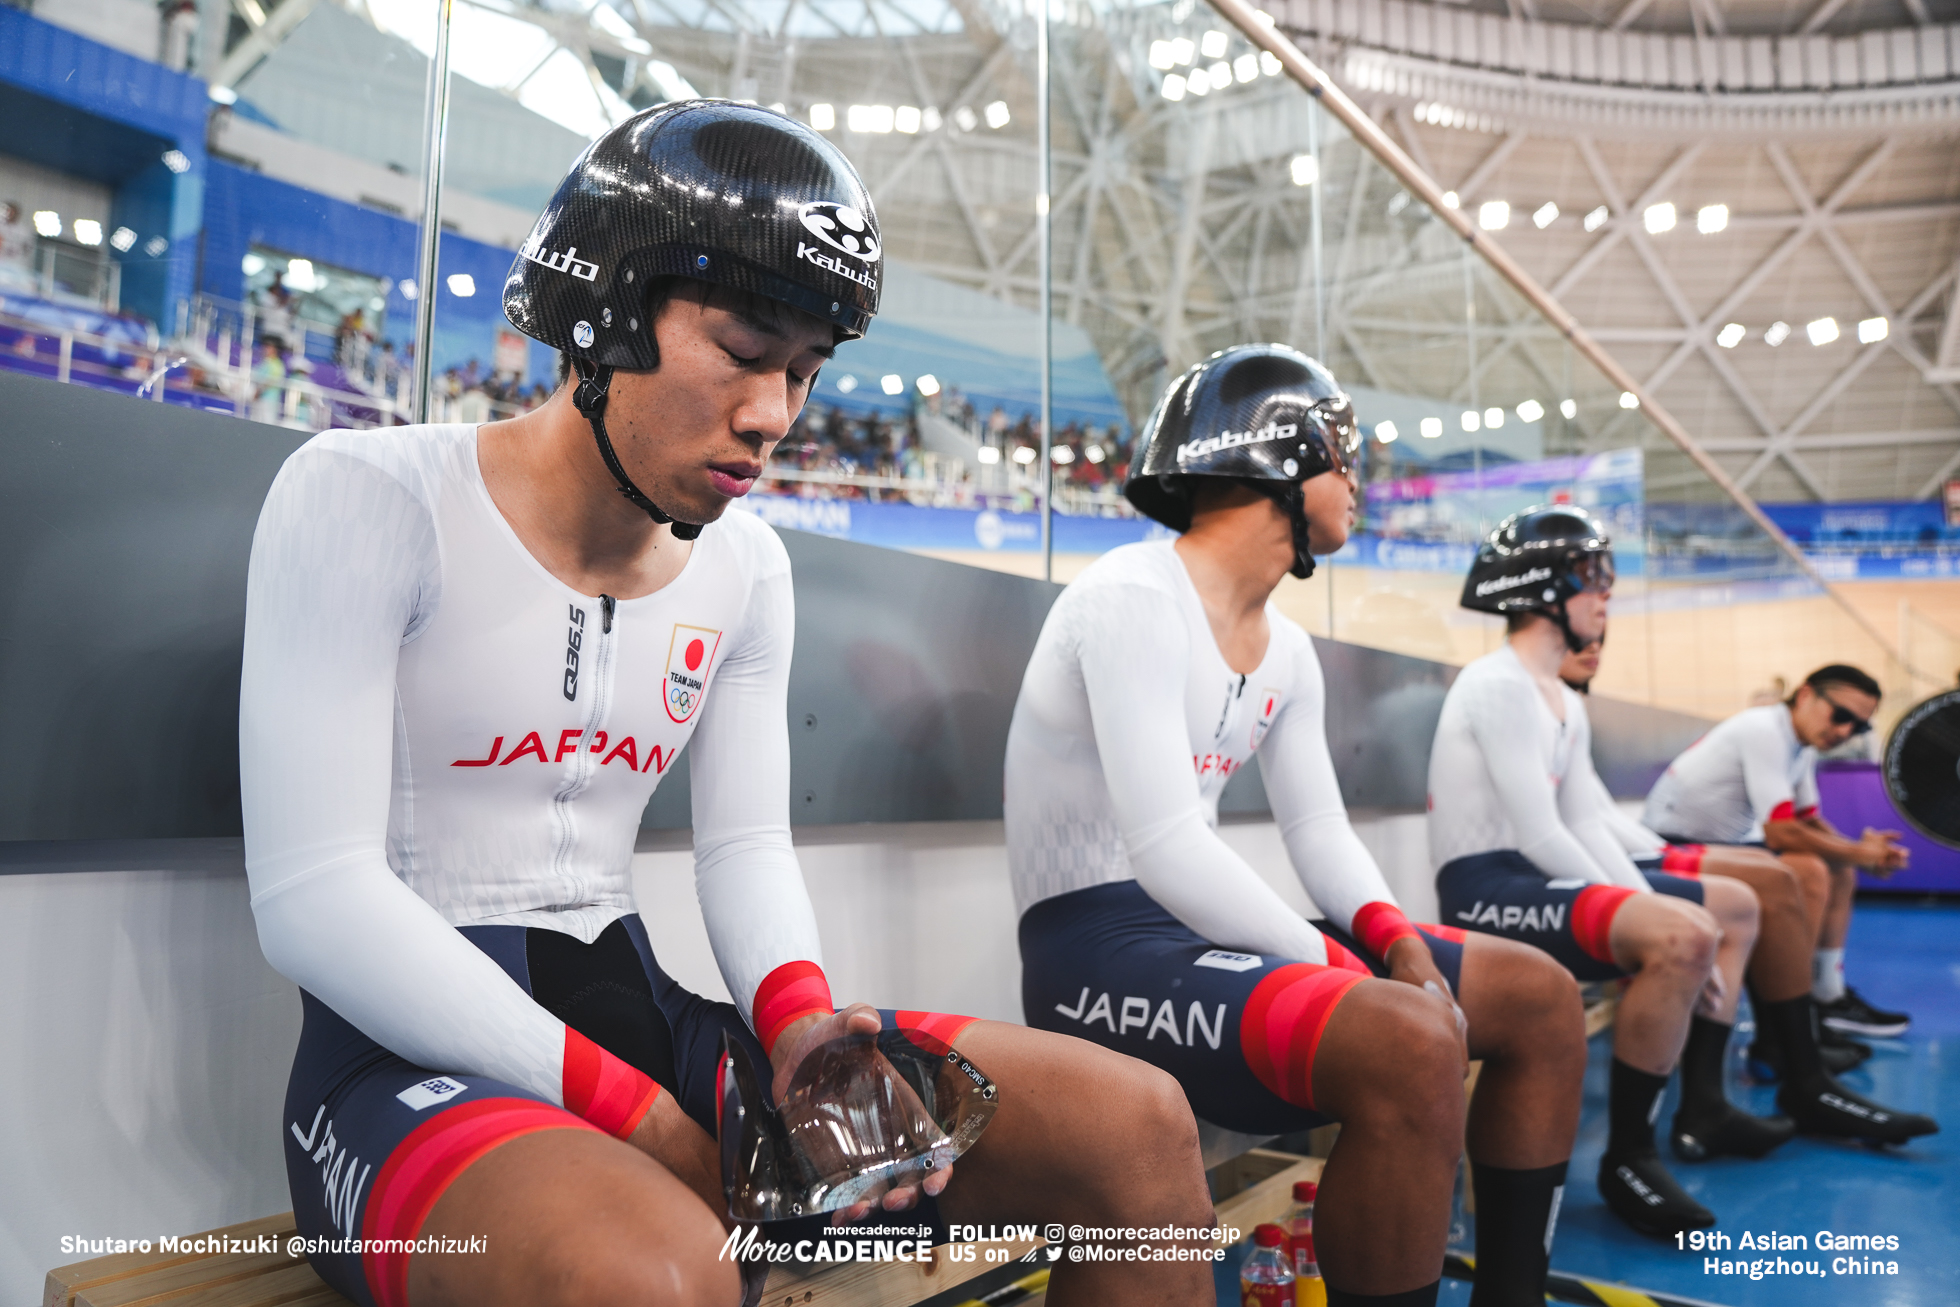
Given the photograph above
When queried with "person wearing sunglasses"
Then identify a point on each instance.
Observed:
(1161, 672)
(1753, 780)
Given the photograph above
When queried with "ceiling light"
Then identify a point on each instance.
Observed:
(1530, 411)
(299, 274)
(1472, 420)
(823, 117)
(1024, 454)
(906, 118)
(1173, 87)
(176, 161)
(408, 288)
(997, 116)
(846, 384)
(1659, 217)
(1306, 170)
(1213, 44)
(1450, 201)
(989, 455)
(47, 222)
(462, 285)
(1199, 82)
(1221, 75)
(1269, 63)
(1493, 418)
(155, 246)
(1597, 218)
(1162, 58)
(1494, 215)
(928, 385)
(88, 231)
(1546, 215)
(930, 119)
(1731, 335)
(1182, 51)
(1711, 218)
(1873, 330)
(1822, 332)
(1568, 409)
(1776, 333)
(1385, 432)
(1095, 453)
(1629, 400)
(1061, 454)
(1246, 67)
(123, 238)
(870, 119)
(891, 383)
(222, 94)
(1432, 428)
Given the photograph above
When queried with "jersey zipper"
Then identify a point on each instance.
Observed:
(583, 761)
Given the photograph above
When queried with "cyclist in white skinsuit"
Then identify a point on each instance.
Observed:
(471, 654)
(1161, 671)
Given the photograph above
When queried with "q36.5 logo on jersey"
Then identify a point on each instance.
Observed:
(1268, 709)
(690, 655)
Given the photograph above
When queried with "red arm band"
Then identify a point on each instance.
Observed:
(1378, 925)
(604, 1090)
(1784, 811)
(787, 995)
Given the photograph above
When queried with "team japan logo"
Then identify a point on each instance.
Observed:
(1268, 709)
(690, 655)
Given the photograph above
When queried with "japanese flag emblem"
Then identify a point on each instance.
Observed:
(690, 655)
(1269, 701)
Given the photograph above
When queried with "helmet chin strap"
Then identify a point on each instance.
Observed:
(594, 381)
(1558, 614)
(1294, 500)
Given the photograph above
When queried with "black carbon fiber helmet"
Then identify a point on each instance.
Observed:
(717, 191)
(722, 192)
(1536, 560)
(1264, 414)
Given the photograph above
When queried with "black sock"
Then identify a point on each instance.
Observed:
(1423, 1297)
(1633, 1100)
(1515, 1214)
(1792, 1024)
(1701, 1068)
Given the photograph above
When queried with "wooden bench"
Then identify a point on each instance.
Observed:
(1255, 1187)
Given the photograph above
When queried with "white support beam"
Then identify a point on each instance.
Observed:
(262, 40)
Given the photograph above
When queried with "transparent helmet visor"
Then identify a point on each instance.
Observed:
(863, 1115)
(1595, 572)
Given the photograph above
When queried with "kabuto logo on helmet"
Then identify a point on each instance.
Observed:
(1513, 582)
(1229, 439)
(842, 228)
(534, 250)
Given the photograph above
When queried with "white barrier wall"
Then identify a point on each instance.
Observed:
(145, 1043)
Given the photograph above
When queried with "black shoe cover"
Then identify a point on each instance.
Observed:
(1827, 1108)
(1639, 1190)
(1731, 1132)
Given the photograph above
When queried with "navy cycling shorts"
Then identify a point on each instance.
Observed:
(1503, 893)
(372, 1141)
(1109, 965)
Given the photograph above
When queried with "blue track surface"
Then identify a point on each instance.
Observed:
(1901, 956)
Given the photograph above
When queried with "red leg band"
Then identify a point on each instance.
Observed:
(1683, 860)
(1338, 956)
(604, 1090)
(941, 1026)
(787, 995)
(1454, 934)
(1592, 918)
(1283, 1022)
(425, 1164)
(1378, 925)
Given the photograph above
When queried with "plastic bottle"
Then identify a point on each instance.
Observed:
(1266, 1277)
(1308, 1288)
